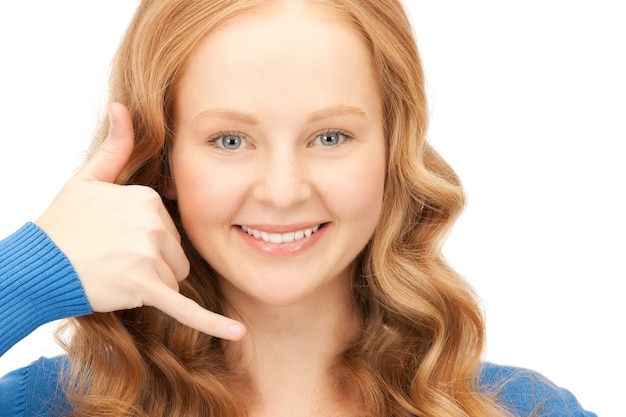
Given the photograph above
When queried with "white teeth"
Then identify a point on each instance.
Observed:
(288, 237)
(280, 237)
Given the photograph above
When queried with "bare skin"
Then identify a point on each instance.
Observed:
(280, 149)
(284, 141)
(121, 240)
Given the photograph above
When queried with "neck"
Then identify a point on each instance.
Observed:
(290, 349)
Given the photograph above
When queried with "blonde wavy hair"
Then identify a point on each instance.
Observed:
(421, 339)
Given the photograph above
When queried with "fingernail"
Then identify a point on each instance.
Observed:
(237, 330)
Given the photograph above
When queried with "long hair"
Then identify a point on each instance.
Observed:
(421, 334)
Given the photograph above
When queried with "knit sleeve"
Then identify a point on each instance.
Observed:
(35, 390)
(526, 393)
(37, 285)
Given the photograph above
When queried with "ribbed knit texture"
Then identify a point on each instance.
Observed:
(528, 393)
(37, 285)
(35, 391)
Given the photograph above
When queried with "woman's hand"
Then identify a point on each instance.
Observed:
(122, 241)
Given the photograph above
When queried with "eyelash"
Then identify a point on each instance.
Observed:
(213, 140)
(346, 136)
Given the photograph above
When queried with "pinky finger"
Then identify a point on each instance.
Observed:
(191, 314)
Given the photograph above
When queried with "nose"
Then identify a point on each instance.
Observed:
(284, 180)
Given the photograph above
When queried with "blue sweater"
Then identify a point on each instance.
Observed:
(38, 285)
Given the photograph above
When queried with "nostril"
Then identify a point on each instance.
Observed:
(282, 190)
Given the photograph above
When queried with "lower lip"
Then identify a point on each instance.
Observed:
(281, 250)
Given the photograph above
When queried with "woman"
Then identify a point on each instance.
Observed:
(286, 140)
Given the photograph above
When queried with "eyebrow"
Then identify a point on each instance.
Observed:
(227, 114)
(336, 111)
(342, 110)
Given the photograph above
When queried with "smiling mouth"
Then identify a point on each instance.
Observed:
(280, 237)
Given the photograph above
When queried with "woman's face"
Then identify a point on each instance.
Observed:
(278, 159)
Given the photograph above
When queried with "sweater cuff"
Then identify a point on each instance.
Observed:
(38, 284)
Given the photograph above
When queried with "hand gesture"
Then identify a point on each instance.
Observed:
(122, 241)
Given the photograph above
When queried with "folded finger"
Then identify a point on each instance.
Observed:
(167, 276)
(174, 256)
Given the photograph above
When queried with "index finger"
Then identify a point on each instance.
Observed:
(191, 314)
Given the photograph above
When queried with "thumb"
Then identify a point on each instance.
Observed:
(107, 162)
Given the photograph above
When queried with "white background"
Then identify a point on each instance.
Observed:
(528, 104)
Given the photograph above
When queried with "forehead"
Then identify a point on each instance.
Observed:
(301, 50)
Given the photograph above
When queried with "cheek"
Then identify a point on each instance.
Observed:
(207, 193)
(357, 191)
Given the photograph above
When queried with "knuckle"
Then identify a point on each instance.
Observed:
(136, 301)
(145, 194)
(185, 309)
(152, 198)
(184, 270)
(153, 224)
(145, 255)
(191, 314)
(173, 284)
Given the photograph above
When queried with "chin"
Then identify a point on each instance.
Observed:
(280, 298)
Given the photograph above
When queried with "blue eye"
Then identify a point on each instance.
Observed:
(332, 138)
(231, 142)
